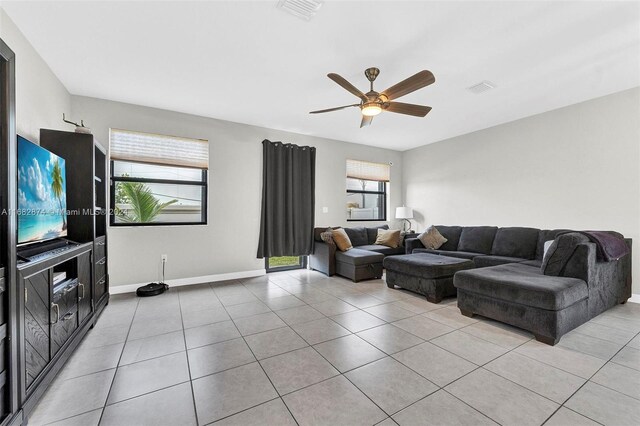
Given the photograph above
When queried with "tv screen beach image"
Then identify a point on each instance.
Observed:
(42, 197)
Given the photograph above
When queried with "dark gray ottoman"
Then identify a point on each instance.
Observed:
(424, 273)
(358, 265)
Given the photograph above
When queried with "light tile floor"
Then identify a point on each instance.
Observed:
(298, 347)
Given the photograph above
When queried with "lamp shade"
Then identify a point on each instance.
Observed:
(404, 213)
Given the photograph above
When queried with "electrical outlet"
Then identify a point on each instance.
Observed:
(163, 258)
(325, 210)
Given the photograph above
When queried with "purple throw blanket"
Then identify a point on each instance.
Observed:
(609, 245)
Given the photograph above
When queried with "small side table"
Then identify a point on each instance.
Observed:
(406, 235)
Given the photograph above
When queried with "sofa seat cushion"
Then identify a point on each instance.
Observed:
(382, 249)
(459, 254)
(477, 239)
(486, 261)
(535, 262)
(515, 242)
(426, 265)
(524, 285)
(357, 257)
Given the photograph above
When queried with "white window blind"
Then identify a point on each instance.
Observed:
(365, 170)
(158, 149)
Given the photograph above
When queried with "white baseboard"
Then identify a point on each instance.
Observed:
(635, 298)
(179, 282)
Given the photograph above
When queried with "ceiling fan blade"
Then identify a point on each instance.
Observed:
(333, 109)
(348, 86)
(366, 121)
(411, 84)
(408, 109)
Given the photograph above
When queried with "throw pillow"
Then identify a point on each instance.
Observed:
(327, 236)
(341, 239)
(547, 245)
(388, 237)
(560, 252)
(432, 238)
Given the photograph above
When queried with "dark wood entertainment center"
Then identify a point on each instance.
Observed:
(51, 293)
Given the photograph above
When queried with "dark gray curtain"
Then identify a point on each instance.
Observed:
(288, 200)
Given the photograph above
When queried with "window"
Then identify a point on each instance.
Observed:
(157, 180)
(367, 190)
(285, 263)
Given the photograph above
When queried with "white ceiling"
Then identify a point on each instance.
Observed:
(252, 63)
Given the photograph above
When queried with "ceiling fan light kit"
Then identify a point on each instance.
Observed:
(373, 103)
(371, 108)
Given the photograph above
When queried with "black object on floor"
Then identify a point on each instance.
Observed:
(152, 289)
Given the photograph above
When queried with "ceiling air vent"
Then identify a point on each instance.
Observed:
(303, 9)
(481, 87)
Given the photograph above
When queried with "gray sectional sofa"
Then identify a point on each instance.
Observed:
(512, 282)
(363, 261)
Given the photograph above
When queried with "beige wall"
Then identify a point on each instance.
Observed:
(40, 97)
(576, 167)
(229, 242)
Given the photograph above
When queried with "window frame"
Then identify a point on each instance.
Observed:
(204, 183)
(384, 201)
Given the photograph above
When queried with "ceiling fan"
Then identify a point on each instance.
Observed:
(373, 103)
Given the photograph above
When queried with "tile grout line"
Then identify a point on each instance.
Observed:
(456, 329)
(100, 371)
(589, 381)
(334, 367)
(104, 406)
(340, 373)
(186, 352)
(311, 287)
(464, 375)
(263, 371)
(484, 364)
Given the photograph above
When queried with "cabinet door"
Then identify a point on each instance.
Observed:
(36, 324)
(84, 286)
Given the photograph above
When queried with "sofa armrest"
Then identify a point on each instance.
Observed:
(323, 258)
(609, 282)
(412, 243)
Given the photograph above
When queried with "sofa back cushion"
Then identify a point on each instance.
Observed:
(358, 236)
(560, 252)
(477, 239)
(372, 233)
(544, 236)
(515, 242)
(452, 234)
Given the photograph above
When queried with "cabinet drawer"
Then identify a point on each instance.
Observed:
(101, 268)
(100, 248)
(64, 299)
(101, 287)
(63, 329)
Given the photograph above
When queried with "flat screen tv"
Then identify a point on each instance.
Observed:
(42, 194)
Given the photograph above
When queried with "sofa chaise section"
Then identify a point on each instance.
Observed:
(363, 261)
(547, 305)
